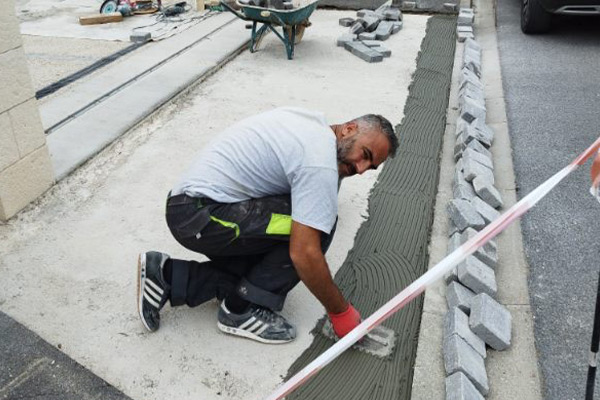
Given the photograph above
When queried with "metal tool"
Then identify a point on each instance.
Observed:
(379, 342)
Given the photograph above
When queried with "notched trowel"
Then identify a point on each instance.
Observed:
(379, 342)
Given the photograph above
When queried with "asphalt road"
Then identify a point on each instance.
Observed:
(552, 90)
(31, 368)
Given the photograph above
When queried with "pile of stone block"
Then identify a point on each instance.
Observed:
(464, 27)
(275, 4)
(369, 30)
(475, 320)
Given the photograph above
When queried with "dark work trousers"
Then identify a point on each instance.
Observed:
(247, 244)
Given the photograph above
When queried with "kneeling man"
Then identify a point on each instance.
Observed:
(261, 203)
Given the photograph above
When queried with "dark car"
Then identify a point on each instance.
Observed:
(536, 15)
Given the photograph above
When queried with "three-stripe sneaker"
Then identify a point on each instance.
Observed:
(258, 323)
(152, 290)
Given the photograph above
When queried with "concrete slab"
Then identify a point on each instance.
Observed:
(83, 237)
(502, 157)
(429, 360)
(115, 76)
(522, 379)
(79, 139)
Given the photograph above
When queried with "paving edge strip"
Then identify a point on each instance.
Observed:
(70, 149)
(391, 247)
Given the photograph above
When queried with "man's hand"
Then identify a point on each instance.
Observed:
(344, 322)
(310, 264)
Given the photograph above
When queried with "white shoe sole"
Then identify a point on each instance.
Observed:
(141, 281)
(249, 335)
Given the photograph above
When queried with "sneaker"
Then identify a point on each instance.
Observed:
(258, 323)
(153, 291)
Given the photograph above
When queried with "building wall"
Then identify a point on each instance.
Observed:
(25, 166)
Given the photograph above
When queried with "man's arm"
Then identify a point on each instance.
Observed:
(312, 268)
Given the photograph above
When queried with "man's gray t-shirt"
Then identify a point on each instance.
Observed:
(286, 150)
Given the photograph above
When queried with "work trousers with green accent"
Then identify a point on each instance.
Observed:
(247, 244)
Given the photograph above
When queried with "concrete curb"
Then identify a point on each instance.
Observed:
(506, 380)
(114, 110)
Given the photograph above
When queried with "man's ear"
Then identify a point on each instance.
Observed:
(349, 129)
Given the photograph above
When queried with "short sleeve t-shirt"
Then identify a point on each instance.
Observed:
(283, 151)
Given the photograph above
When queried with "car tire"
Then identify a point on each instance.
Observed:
(534, 19)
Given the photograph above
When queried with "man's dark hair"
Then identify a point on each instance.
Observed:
(375, 122)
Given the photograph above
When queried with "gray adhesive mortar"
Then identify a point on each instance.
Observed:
(391, 247)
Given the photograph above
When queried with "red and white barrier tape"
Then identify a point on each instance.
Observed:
(438, 271)
(595, 174)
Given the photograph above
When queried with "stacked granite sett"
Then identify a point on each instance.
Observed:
(475, 320)
(369, 30)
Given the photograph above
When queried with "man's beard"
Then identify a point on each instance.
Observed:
(344, 146)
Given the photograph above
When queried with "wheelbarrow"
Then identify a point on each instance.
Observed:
(292, 22)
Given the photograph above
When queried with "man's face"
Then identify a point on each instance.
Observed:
(359, 152)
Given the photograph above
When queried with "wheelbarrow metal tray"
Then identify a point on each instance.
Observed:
(302, 11)
(291, 22)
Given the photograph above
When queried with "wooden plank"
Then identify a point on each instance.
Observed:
(100, 18)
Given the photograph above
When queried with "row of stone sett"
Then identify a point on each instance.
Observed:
(369, 30)
(464, 26)
(474, 318)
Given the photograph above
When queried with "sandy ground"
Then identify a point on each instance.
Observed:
(68, 266)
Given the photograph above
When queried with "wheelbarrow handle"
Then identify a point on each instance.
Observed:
(236, 12)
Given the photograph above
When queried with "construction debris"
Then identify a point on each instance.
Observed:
(368, 31)
(101, 18)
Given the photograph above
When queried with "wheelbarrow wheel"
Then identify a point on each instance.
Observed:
(109, 6)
